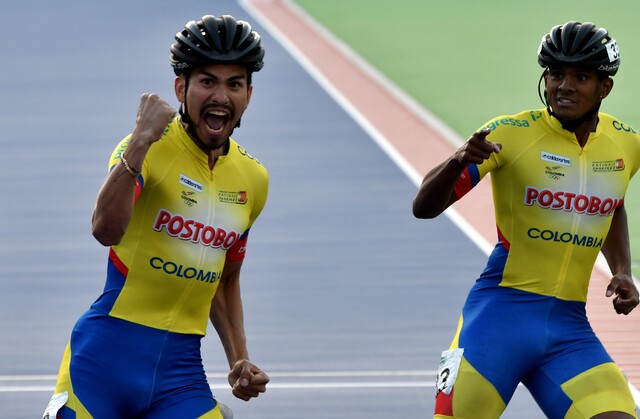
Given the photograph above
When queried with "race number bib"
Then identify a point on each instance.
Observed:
(612, 50)
(57, 401)
(448, 370)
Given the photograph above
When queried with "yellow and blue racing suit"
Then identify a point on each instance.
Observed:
(524, 319)
(136, 351)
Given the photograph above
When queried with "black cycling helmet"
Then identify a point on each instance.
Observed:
(216, 40)
(581, 45)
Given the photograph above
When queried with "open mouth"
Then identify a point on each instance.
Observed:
(565, 101)
(215, 121)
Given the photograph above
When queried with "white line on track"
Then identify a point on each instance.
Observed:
(280, 380)
(382, 142)
(412, 105)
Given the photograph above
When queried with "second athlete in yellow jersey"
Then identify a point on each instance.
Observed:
(524, 319)
(555, 196)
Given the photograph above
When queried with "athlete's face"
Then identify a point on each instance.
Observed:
(573, 92)
(216, 97)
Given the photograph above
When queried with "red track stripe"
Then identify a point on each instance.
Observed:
(423, 147)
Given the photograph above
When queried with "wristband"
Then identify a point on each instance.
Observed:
(133, 172)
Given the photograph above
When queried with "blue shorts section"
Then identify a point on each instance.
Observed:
(123, 369)
(66, 413)
(512, 336)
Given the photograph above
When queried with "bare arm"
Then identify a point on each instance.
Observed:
(226, 315)
(616, 251)
(436, 191)
(114, 205)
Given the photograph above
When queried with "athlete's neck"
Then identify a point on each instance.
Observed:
(582, 126)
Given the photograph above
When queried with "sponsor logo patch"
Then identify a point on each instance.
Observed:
(608, 166)
(507, 122)
(188, 198)
(571, 202)
(190, 183)
(553, 173)
(239, 197)
(554, 158)
(187, 229)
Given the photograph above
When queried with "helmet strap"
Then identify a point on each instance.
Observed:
(542, 97)
(566, 124)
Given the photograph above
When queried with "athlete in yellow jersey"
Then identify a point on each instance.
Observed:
(176, 210)
(559, 177)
